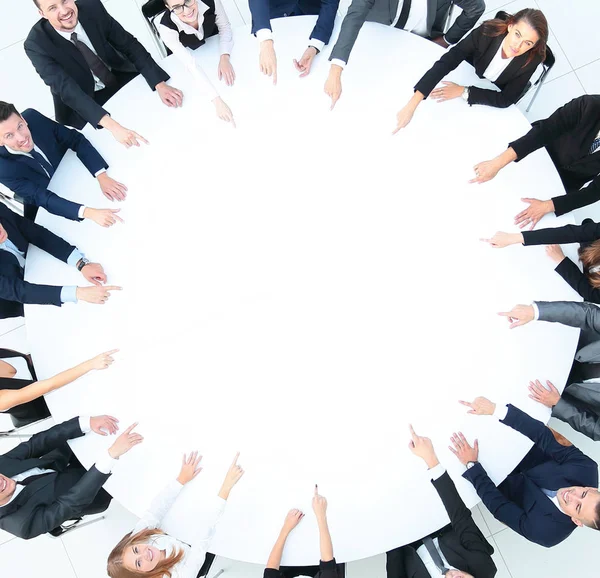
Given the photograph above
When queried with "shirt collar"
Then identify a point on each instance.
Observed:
(67, 35)
(13, 152)
(18, 490)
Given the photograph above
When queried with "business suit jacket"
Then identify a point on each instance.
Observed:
(461, 542)
(587, 232)
(579, 404)
(13, 290)
(62, 67)
(47, 502)
(479, 49)
(519, 501)
(26, 178)
(568, 135)
(263, 10)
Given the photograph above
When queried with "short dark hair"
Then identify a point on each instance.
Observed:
(37, 3)
(7, 110)
(596, 520)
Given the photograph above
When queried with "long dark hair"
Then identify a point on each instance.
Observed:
(532, 17)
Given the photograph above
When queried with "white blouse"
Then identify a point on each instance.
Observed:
(497, 66)
(194, 555)
(187, 55)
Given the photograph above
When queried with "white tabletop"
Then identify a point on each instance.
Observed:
(300, 289)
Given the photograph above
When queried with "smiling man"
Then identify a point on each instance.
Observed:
(85, 56)
(550, 493)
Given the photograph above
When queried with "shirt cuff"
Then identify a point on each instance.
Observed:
(264, 34)
(501, 411)
(536, 311)
(81, 211)
(100, 172)
(318, 44)
(339, 62)
(226, 47)
(105, 463)
(448, 41)
(68, 294)
(84, 424)
(437, 472)
(74, 257)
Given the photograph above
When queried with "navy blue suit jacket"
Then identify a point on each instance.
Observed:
(13, 290)
(519, 501)
(263, 10)
(28, 180)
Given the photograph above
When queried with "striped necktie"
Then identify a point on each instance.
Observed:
(595, 145)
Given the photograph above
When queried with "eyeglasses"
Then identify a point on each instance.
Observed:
(180, 7)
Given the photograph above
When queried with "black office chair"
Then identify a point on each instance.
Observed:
(71, 525)
(208, 562)
(151, 10)
(292, 571)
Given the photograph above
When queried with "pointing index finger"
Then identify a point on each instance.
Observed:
(237, 455)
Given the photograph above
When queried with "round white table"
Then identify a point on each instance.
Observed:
(301, 289)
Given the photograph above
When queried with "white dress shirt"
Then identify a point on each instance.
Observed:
(497, 65)
(83, 37)
(194, 555)
(187, 55)
(104, 464)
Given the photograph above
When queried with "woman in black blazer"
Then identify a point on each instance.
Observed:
(507, 52)
(20, 391)
(587, 284)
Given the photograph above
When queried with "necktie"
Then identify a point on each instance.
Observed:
(98, 68)
(403, 14)
(435, 555)
(45, 164)
(549, 493)
(31, 479)
(595, 146)
(582, 371)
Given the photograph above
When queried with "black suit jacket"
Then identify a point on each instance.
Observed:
(461, 542)
(479, 49)
(62, 67)
(13, 290)
(568, 135)
(48, 502)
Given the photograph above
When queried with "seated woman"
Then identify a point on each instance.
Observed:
(587, 284)
(506, 52)
(184, 27)
(148, 550)
(327, 567)
(21, 393)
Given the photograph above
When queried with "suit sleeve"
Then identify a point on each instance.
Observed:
(545, 131)
(44, 442)
(577, 199)
(471, 11)
(447, 63)
(261, 15)
(324, 26)
(13, 289)
(573, 314)
(583, 421)
(130, 46)
(509, 94)
(585, 233)
(46, 517)
(351, 25)
(571, 273)
(60, 83)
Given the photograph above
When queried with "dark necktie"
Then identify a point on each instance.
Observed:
(98, 68)
(582, 371)
(45, 164)
(595, 145)
(31, 479)
(435, 555)
(403, 14)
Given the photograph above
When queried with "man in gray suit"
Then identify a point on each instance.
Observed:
(579, 405)
(423, 17)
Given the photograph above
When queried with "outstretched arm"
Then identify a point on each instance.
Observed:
(573, 314)
(581, 420)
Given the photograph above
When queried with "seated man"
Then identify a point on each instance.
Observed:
(262, 12)
(549, 494)
(16, 233)
(579, 404)
(31, 148)
(571, 136)
(42, 485)
(423, 17)
(85, 57)
(327, 567)
(458, 550)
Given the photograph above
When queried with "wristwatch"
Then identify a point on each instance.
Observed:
(311, 46)
(82, 263)
(470, 465)
(465, 94)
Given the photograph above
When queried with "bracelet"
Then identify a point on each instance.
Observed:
(311, 46)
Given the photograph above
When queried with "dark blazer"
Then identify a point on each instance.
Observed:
(48, 502)
(263, 10)
(479, 50)
(519, 501)
(62, 67)
(568, 135)
(585, 233)
(461, 542)
(28, 180)
(13, 290)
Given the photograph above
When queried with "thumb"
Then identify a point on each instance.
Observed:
(527, 200)
(476, 445)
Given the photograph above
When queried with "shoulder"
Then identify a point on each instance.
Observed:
(30, 114)
(38, 31)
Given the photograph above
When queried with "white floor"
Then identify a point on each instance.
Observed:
(82, 554)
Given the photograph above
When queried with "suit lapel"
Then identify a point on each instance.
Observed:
(511, 70)
(487, 56)
(66, 47)
(24, 159)
(93, 32)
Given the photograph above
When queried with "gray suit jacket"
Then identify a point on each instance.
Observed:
(579, 405)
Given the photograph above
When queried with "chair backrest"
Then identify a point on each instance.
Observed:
(550, 58)
(152, 8)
